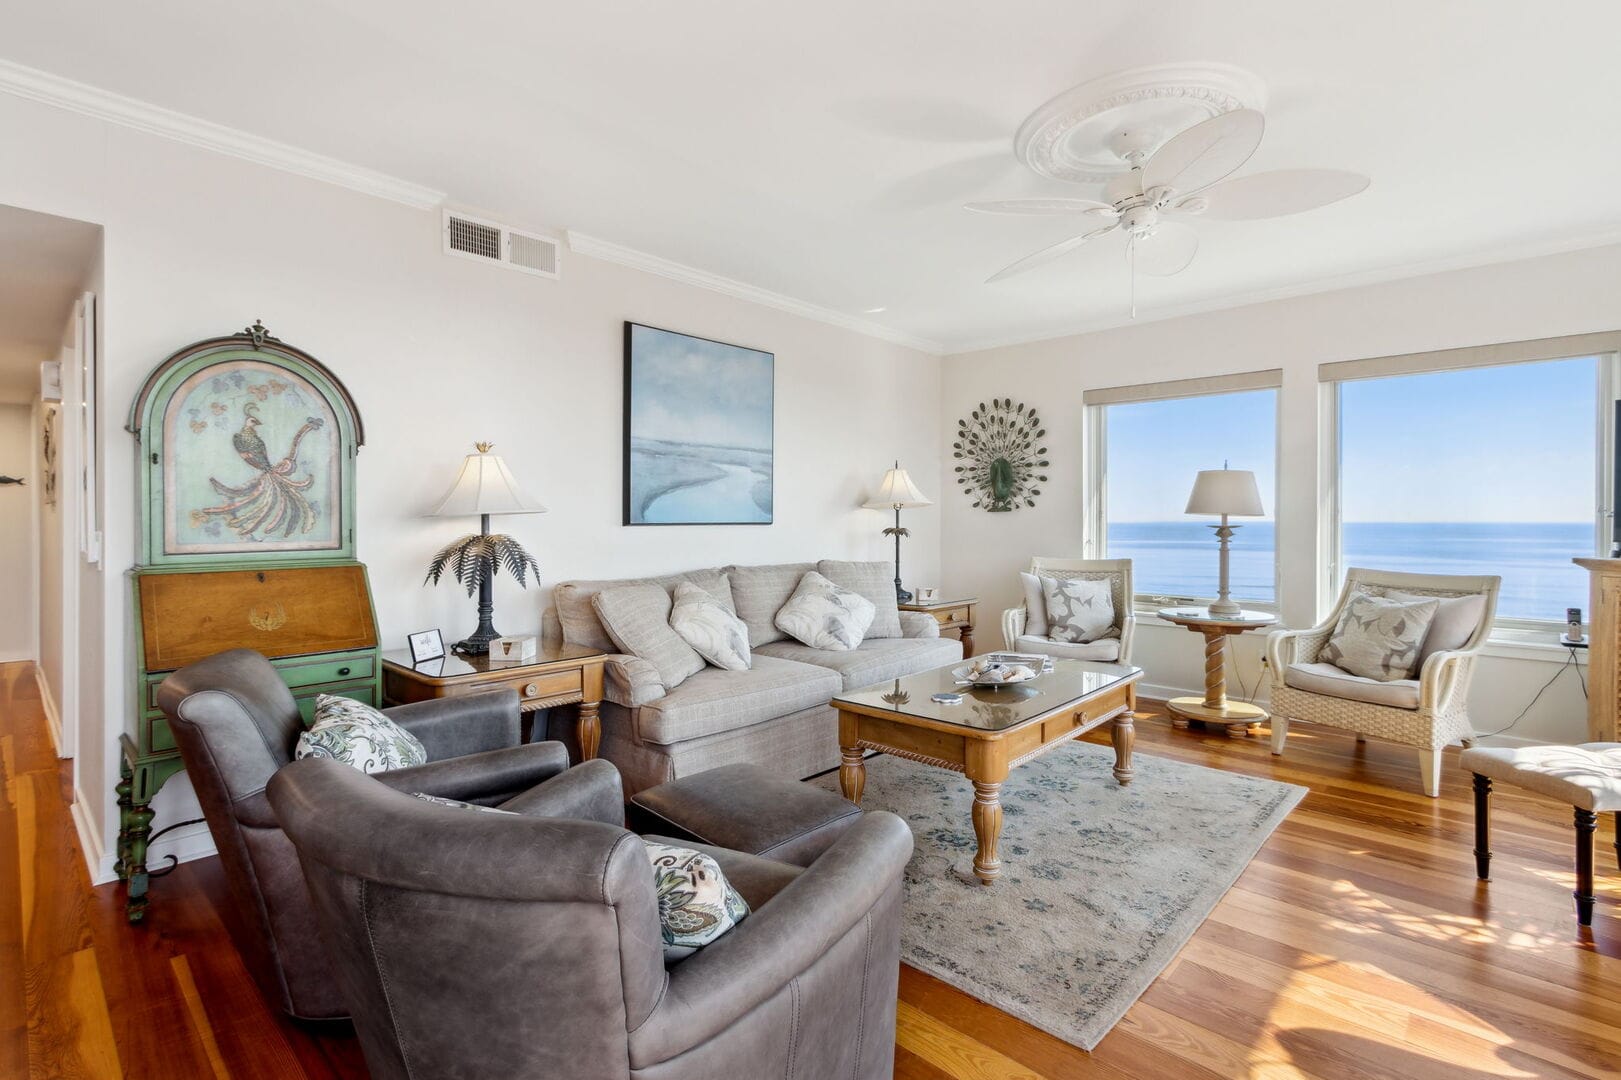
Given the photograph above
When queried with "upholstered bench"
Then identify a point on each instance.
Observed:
(745, 808)
(1588, 777)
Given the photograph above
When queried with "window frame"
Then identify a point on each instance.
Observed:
(1094, 451)
(1605, 348)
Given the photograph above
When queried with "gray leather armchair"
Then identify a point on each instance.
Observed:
(528, 947)
(236, 725)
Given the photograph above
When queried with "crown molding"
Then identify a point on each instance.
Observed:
(606, 250)
(100, 104)
(1338, 283)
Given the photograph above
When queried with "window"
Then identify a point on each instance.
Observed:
(1147, 444)
(1494, 469)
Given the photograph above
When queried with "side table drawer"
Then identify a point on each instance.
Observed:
(535, 688)
(952, 616)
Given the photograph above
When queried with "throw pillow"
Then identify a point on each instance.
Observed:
(696, 902)
(440, 800)
(358, 735)
(1454, 624)
(876, 582)
(1379, 638)
(637, 617)
(714, 633)
(1035, 605)
(824, 616)
(1078, 609)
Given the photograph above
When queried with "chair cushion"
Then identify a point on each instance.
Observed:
(1587, 776)
(716, 634)
(1455, 622)
(824, 615)
(1078, 609)
(873, 661)
(1035, 605)
(1105, 649)
(876, 582)
(759, 591)
(359, 736)
(1331, 681)
(637, 617)
(696, 902)
(1379, 638)
(714, 700)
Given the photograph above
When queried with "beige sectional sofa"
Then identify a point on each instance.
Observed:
(776, 714)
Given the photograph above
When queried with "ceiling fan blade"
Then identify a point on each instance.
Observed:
(1276, 194)
(1046, 255)
(1206, 152)
(1041, 207)
(1167, 250)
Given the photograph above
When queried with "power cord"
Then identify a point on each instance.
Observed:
(1570, 661)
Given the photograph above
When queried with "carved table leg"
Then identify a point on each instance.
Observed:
(1123, 734)
(589, 730)
(967, 634)
(140, 831)
(1586, 825)
(124, 787)
(987, 828)
(1483, 827)
(852, 773)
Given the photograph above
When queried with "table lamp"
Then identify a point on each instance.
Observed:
(1227, 492)
(484, 487)
(897, 492)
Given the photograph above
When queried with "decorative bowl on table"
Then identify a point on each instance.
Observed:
(993, 675)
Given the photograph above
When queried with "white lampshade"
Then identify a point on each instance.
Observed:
(485, 486)
(1226, 491)
(897, 492)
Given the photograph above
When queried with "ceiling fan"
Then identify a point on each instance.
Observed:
(1182, 179)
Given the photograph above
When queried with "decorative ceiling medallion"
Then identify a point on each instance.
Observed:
(999, 447)
(1077, 135)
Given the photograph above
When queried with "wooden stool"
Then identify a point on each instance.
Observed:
(1588, 777)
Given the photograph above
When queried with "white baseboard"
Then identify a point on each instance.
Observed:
(96, 861)
(192, 842)
(53, 715)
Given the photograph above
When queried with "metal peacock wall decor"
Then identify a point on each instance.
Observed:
(1000, 448)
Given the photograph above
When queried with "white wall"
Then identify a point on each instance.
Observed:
(1545, 297)
(18, 575)
(439, 352)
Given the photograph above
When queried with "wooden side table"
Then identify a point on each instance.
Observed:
(1214, 708)
(566, 675)
(955, 615)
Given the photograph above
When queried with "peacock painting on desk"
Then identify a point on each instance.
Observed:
(251, 462)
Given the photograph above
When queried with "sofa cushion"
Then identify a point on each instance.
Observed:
(1379, 638)
(714, 700)
(578, 621)
(873, 661)
(824, 615)
(1455, 622)
(715, 633)
(1078, 609)
(876, 582)
(637, 617)
(359, 736)
(1331, 681)
(1105, 649)
(759, 591)
(696, 902)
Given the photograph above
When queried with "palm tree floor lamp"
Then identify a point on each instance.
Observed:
(897, 493)
(484, 487)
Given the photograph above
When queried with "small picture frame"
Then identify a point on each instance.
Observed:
(426, 645)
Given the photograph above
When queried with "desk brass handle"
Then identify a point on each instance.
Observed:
(531, 690)
(343, 671)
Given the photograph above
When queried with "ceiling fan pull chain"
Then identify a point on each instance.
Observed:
(1131, 256)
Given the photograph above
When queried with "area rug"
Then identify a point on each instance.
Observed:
(1101, 884)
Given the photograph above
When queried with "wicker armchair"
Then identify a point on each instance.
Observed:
(1016, 622)
(1428, 712)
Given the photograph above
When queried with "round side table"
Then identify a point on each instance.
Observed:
(1214, 708)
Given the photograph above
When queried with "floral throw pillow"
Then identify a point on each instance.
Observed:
(358, 735)
(1379, 638)
(825, 616)
(696, 902)
(713, 632)
(1078, 609)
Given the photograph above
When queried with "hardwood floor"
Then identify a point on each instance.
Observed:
(1357, 944)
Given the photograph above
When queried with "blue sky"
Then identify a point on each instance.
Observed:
(1509, 443)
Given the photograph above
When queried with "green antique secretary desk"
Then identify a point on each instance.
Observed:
(246, 469)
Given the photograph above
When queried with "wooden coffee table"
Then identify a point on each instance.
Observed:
(989, 733)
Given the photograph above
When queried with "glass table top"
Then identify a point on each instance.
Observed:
(990, 708)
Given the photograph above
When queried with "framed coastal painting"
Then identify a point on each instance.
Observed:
(698, 430)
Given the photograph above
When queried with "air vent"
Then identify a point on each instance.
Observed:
(492, 242)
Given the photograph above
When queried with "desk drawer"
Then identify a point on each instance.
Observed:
(329, 668)
(361, 692)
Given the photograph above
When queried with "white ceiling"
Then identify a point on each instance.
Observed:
(44, 263)
(822, 150)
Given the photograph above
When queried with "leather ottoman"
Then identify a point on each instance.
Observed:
(744, 808)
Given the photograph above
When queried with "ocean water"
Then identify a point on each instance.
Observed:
(1539, 581)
